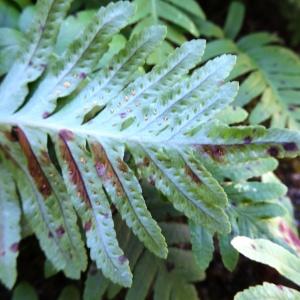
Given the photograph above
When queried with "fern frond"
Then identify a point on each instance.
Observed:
(163, 127)
(34, 58)
(271, 70)
(168, 277)
(176, 16)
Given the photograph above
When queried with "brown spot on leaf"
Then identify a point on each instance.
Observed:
(289, 236)
(216, 152)
(122, 165)
(280, 287)
(290, 146)
(60, 231)
(100, 168)
(87, 226)
(74, 172)
(189, 172)
(45, 157)
(122, 259)
(11, 136)
(45, 115)
(82, 75)
(146, 161)
(33, 165)
(151, 180)
(66, 134)
(273, 151)
(2, 253)
(247, 140)
(14, 247)
(104, 168)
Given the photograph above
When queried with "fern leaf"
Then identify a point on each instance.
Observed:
(59, 204)
(163, 126)
(95, 285)
(92, 205)
(10, 232)
(67, 72)
(163, 76)
(177, 17)
(269, 253)
(34, 59)
(24, 291)
(108, 82)
(268, 291)
(203, 247)
(271, 73)
(126, 193)
(47, 219)
(248, 191)
(143, 279)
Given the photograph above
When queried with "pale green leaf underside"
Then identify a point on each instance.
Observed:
(269, 253)
(10, 232)
(268, 291)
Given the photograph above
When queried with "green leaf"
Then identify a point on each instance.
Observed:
(10, 232)
(69, 292)
(160, 125)
(68, 71)
(229, 255)
(248, 191)
(27, 18)
(95, 285)
(190, 6)
(24, 291)
(268, 291)
(203, 245)
(234, 20)
(9, 15)
(32, 63)
(71, 27)
(11, 44)
(269, 253)
(143, 280)
(174, 15)
(96, 215)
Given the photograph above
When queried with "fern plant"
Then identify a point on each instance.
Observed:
(172, 13)
(76, 139)
(270, 72)
(181, 19)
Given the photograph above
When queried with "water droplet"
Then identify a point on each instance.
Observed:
(67, 84)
